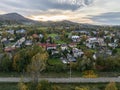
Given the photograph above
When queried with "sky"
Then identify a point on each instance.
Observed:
(102, 12)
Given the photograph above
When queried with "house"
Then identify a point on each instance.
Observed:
(75, 38)
(64, 60)
(28, 42)
(19, 42)
(10, 31)
(103, 53)
(77, 52)
(48, 46)
(113, 45)
(3, 39)
(57, 37)
(70, 58)
(55, 52)
(41, 35)
(9, 49)
(93, 42)
(35, 36)
(21, 31)
(106, 32)
(64, 47)
(82, 32)
(11, 39)
(72, 45)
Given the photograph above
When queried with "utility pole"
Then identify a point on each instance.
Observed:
(70, 71)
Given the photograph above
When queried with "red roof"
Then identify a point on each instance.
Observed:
(35, 36)
(9, 49)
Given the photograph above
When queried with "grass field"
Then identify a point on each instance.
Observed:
(55, 61)
(118, 49)
(8, 86)
(10, 74)
(52, 35)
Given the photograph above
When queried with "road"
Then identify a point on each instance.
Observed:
(64, 80)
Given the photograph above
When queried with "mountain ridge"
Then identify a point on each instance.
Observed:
(15, 18)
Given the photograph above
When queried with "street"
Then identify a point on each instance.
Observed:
(63, 80)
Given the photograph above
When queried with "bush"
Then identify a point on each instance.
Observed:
(81, 88)
(89, 74)
(44, 85)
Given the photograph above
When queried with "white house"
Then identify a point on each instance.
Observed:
(113, 45)
(10, 31)
(91, 42)
(77, 52)
(64, 47)
(75, 38)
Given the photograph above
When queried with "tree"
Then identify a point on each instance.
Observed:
(37, 65)
(22, 86)
(6, 63)
(44, 85)
(23, 57)
(55, 87)
(111, 86)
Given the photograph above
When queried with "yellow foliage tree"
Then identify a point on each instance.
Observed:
(22, 86)
(15, 59)
(111, 86)
(37, 65)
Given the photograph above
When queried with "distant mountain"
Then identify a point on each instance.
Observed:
(58, 23)
(15, 18)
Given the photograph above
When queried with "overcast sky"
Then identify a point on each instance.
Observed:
(82, 11)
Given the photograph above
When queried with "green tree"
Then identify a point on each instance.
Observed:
(6, 63)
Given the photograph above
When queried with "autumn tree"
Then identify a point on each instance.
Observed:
(23, 57)
(44, 85)
(22, 86)
(38, 64)
(111, 86)
(81, 88)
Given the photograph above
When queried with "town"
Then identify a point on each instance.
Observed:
(64, 45)
(59, 45)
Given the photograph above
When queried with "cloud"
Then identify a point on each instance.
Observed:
(47, 4)
(87, 11)
(106, 18)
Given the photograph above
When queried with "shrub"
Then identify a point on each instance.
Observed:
(89, 74)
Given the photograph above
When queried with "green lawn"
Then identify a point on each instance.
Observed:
(62, 74)
(118, 49)
(56, 41)
(55, 61)
(10, 74)
(8, 86)
(52, 35)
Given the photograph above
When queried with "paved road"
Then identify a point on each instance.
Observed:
(64, 80)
